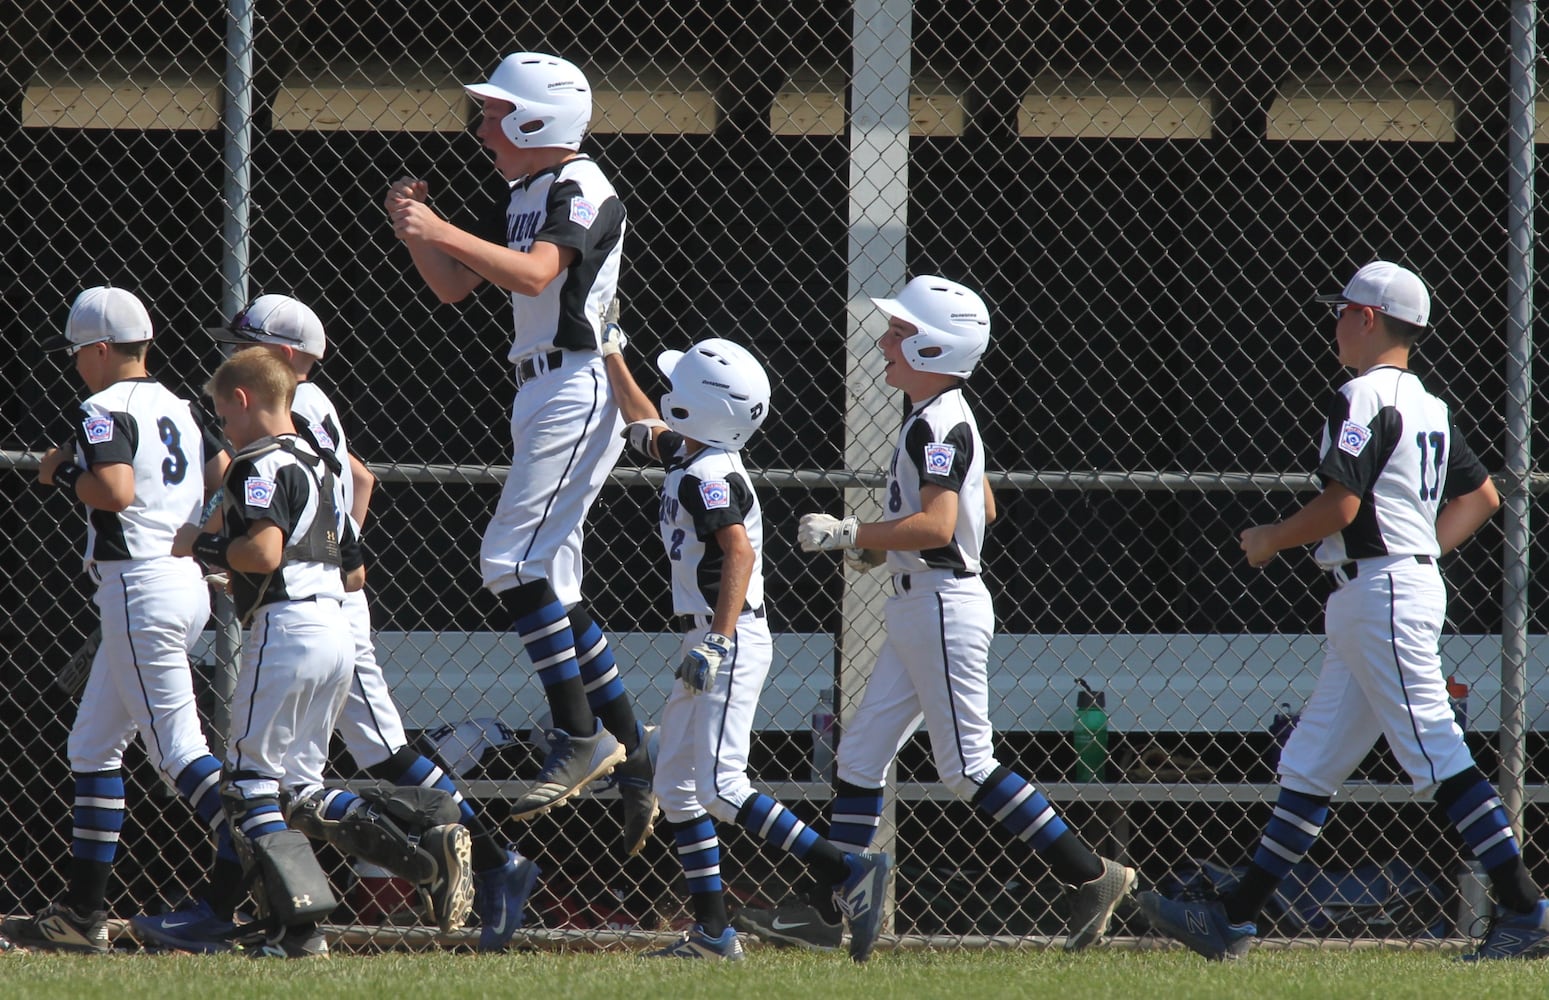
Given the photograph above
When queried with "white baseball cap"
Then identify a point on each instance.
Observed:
(275, 319)
(104, 315)
(1388, 288)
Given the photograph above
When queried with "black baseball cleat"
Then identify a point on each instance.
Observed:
(794, 923)
(57, 927)
(449, 893)
(633, 780)
(287, 942)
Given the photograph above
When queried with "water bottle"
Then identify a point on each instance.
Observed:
(1473, 898)
(1457, 697)
(1280, 728)
(1090, 734)
(823, 738)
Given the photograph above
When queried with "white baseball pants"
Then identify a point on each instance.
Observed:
(565, 440)
(1381, 674)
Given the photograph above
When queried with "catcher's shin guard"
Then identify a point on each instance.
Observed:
(385, 828)
(288, 883)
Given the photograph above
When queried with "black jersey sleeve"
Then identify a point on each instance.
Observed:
(669, 449)
(107, 438)
(352, 554)
(940, 461)
(1357, 452)
(575, 221)
(211, 441)
(1465, 473)
(715, 503)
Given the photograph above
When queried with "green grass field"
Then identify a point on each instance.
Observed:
(960, 975)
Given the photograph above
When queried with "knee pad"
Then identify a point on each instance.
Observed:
(283, 873)
(385, 828)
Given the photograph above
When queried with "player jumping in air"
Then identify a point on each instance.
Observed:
(554, 243)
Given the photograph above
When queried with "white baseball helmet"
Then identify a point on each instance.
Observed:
(720, 393)
(949, 316)
(553, 101)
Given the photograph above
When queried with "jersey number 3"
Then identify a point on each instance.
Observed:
(175, 467)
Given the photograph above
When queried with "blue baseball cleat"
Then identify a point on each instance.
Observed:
(1515, 935)
(500, 899)
(697, 944)
(1201, 924)
(860, 900)
(193, 928)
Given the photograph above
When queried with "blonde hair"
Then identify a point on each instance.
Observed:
(265, 376)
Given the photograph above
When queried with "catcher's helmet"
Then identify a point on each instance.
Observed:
(553, 101)
(949, 316)
(720, 393)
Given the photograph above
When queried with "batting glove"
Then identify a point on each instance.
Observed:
(864, 560)
(823, 533)
(613, 340)
(699, 667)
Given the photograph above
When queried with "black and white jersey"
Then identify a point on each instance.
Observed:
(702, 494)
(1394, 445)
(279, 485)
(138, 422)
(939, 445)
(572, 205)
(317, 421)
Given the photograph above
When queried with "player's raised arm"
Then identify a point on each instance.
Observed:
(640, 414)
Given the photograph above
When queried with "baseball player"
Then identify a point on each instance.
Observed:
(292, 554)
(137, 463)
(712, 528)
(1401, 488)
(934, 662)
(555, 246)
(370, 724)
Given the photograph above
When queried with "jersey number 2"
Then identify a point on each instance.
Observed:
(1438, 448)
(676, 551)
(176, 465)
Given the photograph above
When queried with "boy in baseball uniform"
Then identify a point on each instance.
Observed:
(555, 244)
(370, 723)
(1401, 488)
(934, 662)
(712, 529)
(137, 464)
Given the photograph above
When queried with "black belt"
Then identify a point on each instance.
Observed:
(903, 578)
(690, 623)
(527, 368)
(1351, 570)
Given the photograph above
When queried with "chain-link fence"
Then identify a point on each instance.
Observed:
(1148, 195)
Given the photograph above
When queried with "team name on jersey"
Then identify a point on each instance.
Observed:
(669, 509)
(520, 229)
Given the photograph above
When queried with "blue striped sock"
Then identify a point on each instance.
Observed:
(700, 853)
(263, 817)
(98, 815)
(599, 669)
(1020, 808)
(199, 784)
(1296, 822)
(422, 772)
(550, 644)
(854, 817)
(337, 803)
(1481, 818)
(766, 818)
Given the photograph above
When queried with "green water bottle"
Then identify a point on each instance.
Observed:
(1090, 734)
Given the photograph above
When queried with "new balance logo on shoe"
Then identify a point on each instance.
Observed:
(1197, 922)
